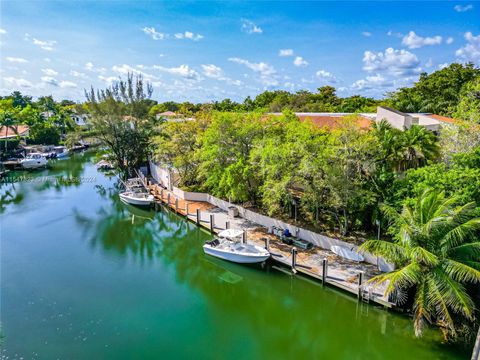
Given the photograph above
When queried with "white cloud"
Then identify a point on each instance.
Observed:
(154, 34)
(366, 33)
(67, 85)
(188, 35)
(49, 72)
(442, 66)
(463, 8)
(16, 60)
(285, 52)
(396, 34)
(18, 83)
(414, 41)
(3, 31)
(268, 74)
(326, 76)
(471, 51)
(108, 79)
(49, 80)
(300, 61)
(396, 62)
(43, 44)
(372, 82)
(183, 70)
(90, 67)
(429, 63)
(47, 59)
(78, 74)
(250, 28)
(449, 40)
(212, 71)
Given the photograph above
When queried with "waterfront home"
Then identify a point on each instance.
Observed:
(12, 132)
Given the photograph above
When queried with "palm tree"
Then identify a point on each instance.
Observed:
(436, 254)
(419, 145)
(8, 121)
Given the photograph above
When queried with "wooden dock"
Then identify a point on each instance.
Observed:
(318, 264)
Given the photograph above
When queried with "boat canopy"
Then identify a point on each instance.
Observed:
(230, 233)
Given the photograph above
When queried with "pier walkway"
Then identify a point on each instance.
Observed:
(317, 263)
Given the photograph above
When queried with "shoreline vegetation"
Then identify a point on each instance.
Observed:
(418, 190)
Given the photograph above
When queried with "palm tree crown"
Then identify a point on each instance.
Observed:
(436, 253)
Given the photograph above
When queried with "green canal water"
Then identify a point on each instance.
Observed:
(85, 277)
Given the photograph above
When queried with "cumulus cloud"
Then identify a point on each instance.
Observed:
(78, 74)
(250, 28)
(188, 35)
(43, 44)
(449, 40)
(3, 31)
(18, 83)
(91, 67)
(372, 82)
(463, 8)
(285, 52)
(184, 71)
(49, 72)
(67, 84)
(212, 71)
(16, 60)
(49, 80)
(155, 35)
(107, 79)
(326, 76)
(268, 74)
(125, 69)
(300, 61)
(414, 41)
(471, 51)
(395, 62)
(366, 33)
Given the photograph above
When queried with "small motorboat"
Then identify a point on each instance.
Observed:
(34, 161)
(229, 246)
(136, 198)
(60, 152)
(347, 253)
(104, 165)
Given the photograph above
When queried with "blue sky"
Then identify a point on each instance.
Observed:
(205, 51)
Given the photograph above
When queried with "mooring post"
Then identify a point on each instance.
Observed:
(244, 237)
(186, 208)
(212, 222)
(198, 216)
(360, 280)
(324, 270)
(176, 205)
(294, 258)
(267, 243)
(227, 224)
(161, 195)
(168, 199)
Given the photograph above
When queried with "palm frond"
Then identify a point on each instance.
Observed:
(460, 271)
(405, 277)
(423, 256)
(460, 234)
(390, 251)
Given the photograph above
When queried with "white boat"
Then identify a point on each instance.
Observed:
(229, 246)
(60, 152)
(136, 198)
(347, 253)
(104, 165)
(34, 161)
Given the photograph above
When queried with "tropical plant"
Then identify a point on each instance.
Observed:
(437, 254)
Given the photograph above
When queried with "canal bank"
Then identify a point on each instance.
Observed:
(84, 276)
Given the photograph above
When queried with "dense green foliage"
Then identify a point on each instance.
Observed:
(437, 254)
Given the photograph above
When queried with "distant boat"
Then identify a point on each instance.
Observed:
(228, 246)
(104, 165)
(34, 161)
(136, 198)
(347, 253)
(60, 152)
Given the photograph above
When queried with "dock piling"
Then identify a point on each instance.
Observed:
(212, 222)
(186, 208)
(244, 237)
(324, 270)
(176, 204)
(227, 224)
(168, 199)
(198, 216)
(294, 259)
(360, 280)
(267, 243)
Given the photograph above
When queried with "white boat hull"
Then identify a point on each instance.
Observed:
(236, 257)
(33, 163)
(138, 201)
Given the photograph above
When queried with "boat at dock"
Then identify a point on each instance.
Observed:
(61, 152)
(229, 246)
(136, 198)
(34, 161)
(347, 253)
